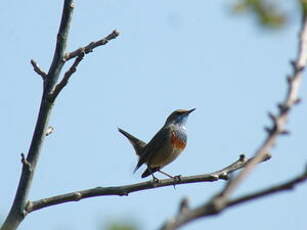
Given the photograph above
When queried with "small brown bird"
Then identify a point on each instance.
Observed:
(164, 147)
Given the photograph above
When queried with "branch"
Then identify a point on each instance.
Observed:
(126, 189)
(279, 121)
(62, 36)
(58, 88)
(79, 53)
(17, 211)
(50, 92)
(89, 48)
(270, 191)
(221, 200)
(38, 70)
(213, 206)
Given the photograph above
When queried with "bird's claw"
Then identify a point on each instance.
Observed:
(155, 180)
(177, 178)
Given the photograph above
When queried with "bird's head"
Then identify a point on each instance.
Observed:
(178, 117)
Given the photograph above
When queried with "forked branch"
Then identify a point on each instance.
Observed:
(222, 199)
(50, 91)
(58, 88)
(279, 121)
(214, 207)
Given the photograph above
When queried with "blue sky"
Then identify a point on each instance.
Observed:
(169, 55)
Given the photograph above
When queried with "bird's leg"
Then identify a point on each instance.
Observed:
(166, 174)
(155, 179)
(175, 178)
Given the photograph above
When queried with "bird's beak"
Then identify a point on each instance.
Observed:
(190, 111)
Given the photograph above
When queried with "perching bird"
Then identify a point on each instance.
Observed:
(164, 147)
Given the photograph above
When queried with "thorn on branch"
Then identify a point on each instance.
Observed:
(272, 117)
(184, 206)
(269, 130)
(38, 70)
(297, 101)
(293, 64)
(283, 108)
(267, 156)
(284, 132)
(301, 69)
(49, 130)
(242, 157)
(25, 162)
(296, 67)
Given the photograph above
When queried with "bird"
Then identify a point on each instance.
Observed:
(164, 147)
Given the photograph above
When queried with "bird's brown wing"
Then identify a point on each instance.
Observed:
(160, 140)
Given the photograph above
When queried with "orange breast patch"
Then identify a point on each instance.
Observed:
(177, 142)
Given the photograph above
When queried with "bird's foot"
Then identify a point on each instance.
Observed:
(155, 179)
(177, 178)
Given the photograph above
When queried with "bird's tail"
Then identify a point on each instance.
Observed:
(137, 144)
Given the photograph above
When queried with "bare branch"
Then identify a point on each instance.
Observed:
(89, 48)
(126, 189)
(17, 211)
(58, 88)
(50, 92)
(279, 120)
(269, 191)
(221, 200)
(213, 206)
(38, 70)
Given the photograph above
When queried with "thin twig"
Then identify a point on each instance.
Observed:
(58, 88)
(126, 189)
(38, 70)
(279, 121)
(213, 206)
(269, 191)
(17, 211)
(221, 201)
(89, 48)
